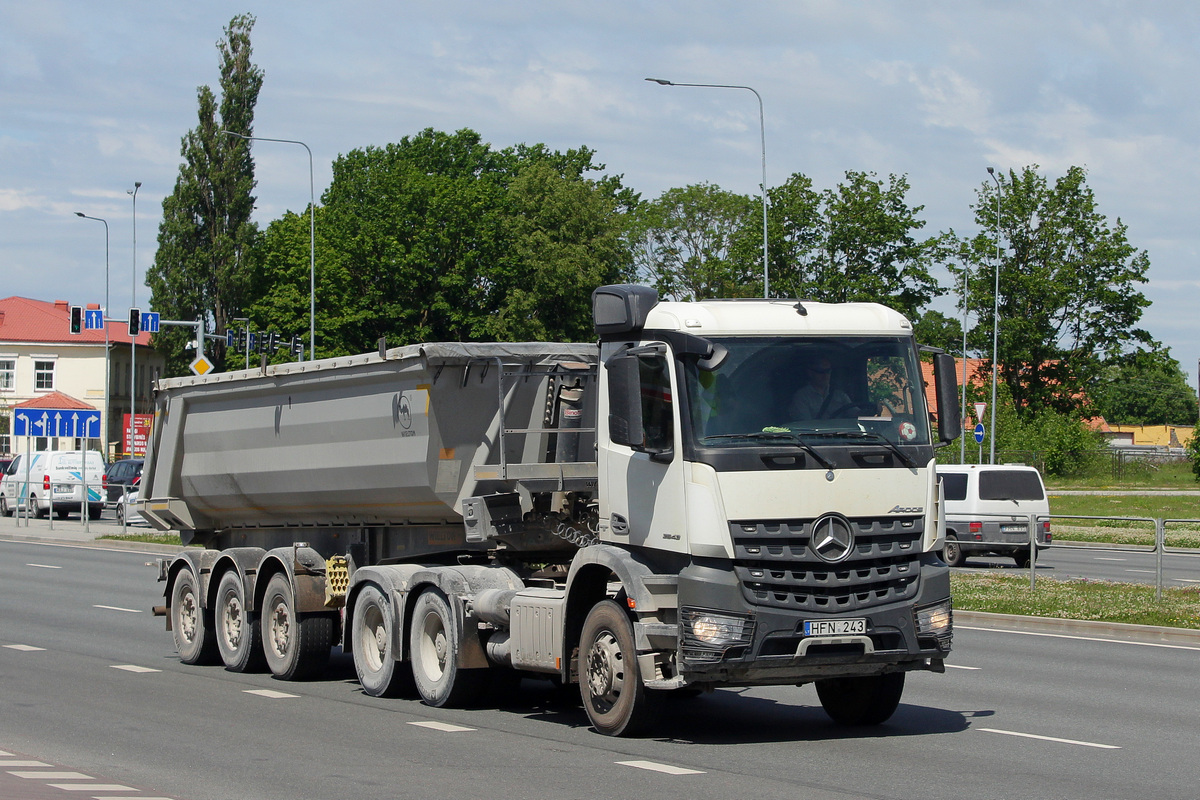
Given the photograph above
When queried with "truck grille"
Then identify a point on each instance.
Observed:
(777, 567)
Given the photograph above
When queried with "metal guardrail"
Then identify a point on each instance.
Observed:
(1159, 548)
(21, 512)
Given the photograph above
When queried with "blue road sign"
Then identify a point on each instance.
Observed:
(150, 321)
(56, 422)
(93, 319)
(979, 433)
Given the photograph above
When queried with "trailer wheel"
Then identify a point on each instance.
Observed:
(434, 638)
(191, 624)
(237, 630)
(296, 645)
(867, 700)
(371, 635)
(610, 681)
(952, 553)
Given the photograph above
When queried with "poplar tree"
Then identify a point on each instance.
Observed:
(201, 268)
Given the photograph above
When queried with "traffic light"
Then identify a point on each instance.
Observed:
(76, 319)
(135, 321)
(272, 342)
(241, 339)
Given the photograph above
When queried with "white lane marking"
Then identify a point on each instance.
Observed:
(134, 668)
(1051, 739)
(131, 797)
(92, 787)
(1187, 580)
(118, 608)
(1146, 571)
(271, 693)
(53, 776)
(14, 762)
(43, 566)
(1078, 638)
(441, 726)
(960, 666)
(24, 648)
(656, 767)
(1109, 558)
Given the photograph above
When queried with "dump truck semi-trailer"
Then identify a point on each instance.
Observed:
(640, 516)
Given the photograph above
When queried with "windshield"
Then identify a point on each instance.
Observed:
(829, 390)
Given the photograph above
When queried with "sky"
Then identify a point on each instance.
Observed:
(97, 96)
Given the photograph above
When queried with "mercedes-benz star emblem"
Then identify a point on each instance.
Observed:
(832, 538)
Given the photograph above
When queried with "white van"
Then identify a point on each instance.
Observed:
(988, 510)
(55, 477)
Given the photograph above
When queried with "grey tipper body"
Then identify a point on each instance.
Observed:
(638, 516)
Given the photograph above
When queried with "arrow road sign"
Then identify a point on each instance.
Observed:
(57, 422)
(979, 433)
(93, 319)
(150, 321)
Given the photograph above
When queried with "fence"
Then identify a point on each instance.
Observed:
(1159, 548)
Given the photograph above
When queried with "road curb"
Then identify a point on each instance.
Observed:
(1078, 627)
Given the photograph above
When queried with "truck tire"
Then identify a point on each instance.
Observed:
(237, 630)
(191, 625)
(952, 553)
(296, 645)
(868, 700)
(371, 637)
(610, 681)
(434, 639)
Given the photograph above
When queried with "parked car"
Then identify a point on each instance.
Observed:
(120, 474)
(54, 477)
(988, 510)
(127, 513)
(4, 462)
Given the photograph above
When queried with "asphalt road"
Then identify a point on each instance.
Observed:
(92, 686)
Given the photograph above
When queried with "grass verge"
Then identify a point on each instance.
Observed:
(1103, 601)
(148, 537)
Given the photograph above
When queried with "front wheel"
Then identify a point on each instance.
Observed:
(610, 681)
(190, 624)
(867, 700)
(952, 553)
(380, 672)
(296, 645)
(435, 641)
(237, 632)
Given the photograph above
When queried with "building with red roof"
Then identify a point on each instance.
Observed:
(44, 365)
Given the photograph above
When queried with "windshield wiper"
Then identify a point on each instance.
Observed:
(779, 436)
(883, 440)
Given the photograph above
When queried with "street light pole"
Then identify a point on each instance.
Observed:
(312, 239)
(104, 317)
(995, 319)
(133, 339)
(762, 125)
(962, 440)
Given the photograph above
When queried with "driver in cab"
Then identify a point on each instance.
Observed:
(815, 399)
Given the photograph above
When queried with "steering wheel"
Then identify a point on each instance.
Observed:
(864, 406)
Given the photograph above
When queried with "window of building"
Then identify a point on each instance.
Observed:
(8, 374)
(43, 376)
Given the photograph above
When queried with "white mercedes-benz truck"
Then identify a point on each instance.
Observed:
(655, 513)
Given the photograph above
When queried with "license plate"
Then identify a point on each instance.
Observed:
(1013, 529)
(834, 627)
(63, 489)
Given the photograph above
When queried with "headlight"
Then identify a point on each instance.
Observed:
(935, 620)
(707, 635)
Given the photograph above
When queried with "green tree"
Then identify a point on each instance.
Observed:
(1068, 287)
(685, 240)
(935, 329)
(1145, 387)
(855, 242)
(200, 268)
(440, 237)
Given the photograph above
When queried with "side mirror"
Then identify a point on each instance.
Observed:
(949, 414)
(625, 401)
